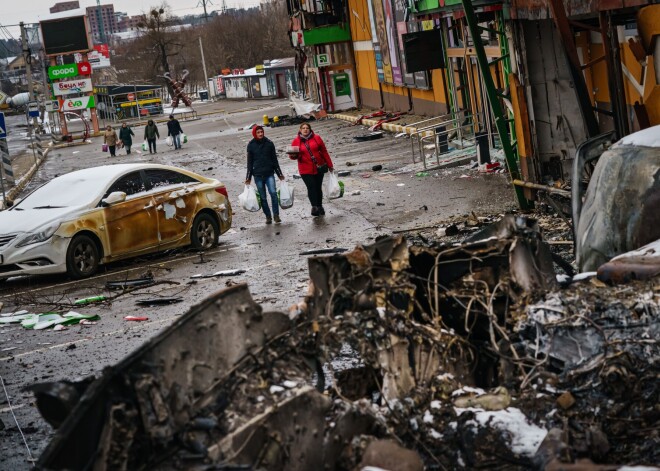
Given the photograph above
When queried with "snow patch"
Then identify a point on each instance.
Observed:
(524, 437)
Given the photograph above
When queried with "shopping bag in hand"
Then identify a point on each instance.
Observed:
(332, 187)
(285, 194)
(248, 199)
(169, 141)
(145, 146)
(104, 147)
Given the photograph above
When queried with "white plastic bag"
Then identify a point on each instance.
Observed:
(286, 195)
(248, 199)
(332, 187)
(169, 141)
(145, 146)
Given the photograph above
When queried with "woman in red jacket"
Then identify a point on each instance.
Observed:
(313, 162)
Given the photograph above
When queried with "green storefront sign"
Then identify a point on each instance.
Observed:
(62, 71)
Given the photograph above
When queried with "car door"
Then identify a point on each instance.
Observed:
(175, 197)
(132, 225)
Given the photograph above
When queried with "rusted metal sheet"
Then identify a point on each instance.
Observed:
(147, 400)
(641, 264)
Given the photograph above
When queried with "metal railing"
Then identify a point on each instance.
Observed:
(457, 125)
(420, 133)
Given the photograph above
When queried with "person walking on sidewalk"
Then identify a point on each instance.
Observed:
(110, 138)
(313, 163)
(150, 135)
(263, 165)
(174, 130)
(125, 134)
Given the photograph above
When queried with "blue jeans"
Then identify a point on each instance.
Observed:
(262, 183)
(177, 141)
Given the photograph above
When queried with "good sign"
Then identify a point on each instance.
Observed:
(69, 70)
(73, 86)
(77, 103)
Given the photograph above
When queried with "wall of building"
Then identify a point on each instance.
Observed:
(374, 92)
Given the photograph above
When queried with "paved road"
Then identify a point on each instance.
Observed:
(392, 199)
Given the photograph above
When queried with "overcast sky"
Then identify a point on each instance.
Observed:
(31, 11)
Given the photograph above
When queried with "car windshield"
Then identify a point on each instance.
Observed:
(61, 192)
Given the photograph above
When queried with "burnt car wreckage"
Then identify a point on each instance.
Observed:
(469, 354)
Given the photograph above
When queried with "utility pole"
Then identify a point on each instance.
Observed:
(204, 2)
(206, 77)
(27, 56)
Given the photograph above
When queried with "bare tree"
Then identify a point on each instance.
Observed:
(159, 31)
(235, 39)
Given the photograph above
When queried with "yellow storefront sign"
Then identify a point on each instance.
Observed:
(142, 102)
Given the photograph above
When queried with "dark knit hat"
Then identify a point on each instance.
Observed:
(255, 129)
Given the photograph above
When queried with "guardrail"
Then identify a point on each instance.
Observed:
(455, 125)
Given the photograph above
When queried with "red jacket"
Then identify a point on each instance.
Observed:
(317, 146)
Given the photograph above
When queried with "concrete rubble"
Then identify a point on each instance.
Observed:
(402, 357)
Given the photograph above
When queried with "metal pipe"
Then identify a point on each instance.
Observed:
(536, 186)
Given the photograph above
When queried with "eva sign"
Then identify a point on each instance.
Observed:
(72, 86)
(78, 103)
(69, 70)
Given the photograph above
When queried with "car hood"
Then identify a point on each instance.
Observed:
(30, 220)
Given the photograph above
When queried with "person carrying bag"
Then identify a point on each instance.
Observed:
(313, 163)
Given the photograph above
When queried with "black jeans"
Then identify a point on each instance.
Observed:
(314, 184)
(152, 145)
(112, 151)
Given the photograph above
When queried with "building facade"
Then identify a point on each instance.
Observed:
(102, 22)
(538, 77)
(64, 6)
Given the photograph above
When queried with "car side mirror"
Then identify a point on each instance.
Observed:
(114, 198)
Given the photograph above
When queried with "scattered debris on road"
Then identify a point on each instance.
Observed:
(401, 356)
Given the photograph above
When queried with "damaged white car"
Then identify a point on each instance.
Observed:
(80, 220)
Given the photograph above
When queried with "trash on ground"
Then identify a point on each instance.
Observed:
(126, 284)
(323, 251)
(220, 273)
(136, 318)
(158, 301)
(90, 300)
(343, 173)
(369, 137)
(377, 168)
(48, 319)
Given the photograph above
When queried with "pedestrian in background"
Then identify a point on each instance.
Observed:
(263, 165)
(313, 163)
(174, 130)
(110, 138)
(125, 134)
(150, 135)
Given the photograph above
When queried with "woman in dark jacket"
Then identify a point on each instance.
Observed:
(312, 156)
(125, 134)
(262, 164)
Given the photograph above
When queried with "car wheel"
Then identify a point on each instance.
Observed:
(204, 232)
(82, 257)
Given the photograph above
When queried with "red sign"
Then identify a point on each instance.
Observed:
(84, 68)
(130, 97)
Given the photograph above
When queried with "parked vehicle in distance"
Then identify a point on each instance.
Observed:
(86, 218)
